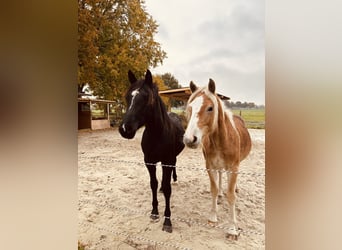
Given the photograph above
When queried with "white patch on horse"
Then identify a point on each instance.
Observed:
(192, 129)
(134, 94)
(231, 119)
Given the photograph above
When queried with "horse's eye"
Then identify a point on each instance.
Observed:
(210, 109)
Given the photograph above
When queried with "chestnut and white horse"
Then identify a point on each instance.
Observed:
(225, 143)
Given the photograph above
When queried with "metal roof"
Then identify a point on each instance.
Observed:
(94, 100)
(183, 94)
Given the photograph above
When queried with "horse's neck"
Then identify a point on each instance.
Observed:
(157, 117)
(224, 129)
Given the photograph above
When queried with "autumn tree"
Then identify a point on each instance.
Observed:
(158, 80)
(87, 45)
(115, 36)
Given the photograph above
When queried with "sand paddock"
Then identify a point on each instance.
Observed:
(115, 198)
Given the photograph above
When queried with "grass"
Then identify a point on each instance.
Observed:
(254, 118)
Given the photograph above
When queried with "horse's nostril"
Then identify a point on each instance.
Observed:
(195, 139)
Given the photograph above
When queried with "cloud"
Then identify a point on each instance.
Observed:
(223, 40)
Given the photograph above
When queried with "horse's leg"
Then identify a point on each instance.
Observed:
(213, 176)
(166, 185)
(154, 186)
(237, 190)
(174, 174)
(220, 191)
(231, 197)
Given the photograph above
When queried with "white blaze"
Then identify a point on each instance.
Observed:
(134, 94)
(192, 129)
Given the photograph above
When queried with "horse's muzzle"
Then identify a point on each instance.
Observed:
(127, 131)
(191, 142)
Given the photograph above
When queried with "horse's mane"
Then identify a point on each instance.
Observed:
(166, 121)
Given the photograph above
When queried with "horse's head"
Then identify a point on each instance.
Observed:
(201, 113)
(138, 98)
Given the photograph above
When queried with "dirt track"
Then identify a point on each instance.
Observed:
(115, 198)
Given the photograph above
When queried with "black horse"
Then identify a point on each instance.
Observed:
(162, 139)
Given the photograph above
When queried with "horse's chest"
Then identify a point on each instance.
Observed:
(216, 162)
(156, 145)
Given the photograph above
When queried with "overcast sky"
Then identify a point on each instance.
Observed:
(221, 39)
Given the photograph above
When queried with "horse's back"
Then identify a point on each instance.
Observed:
(245, 138)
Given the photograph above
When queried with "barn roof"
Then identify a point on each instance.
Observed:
(94, 100)
(183, 94)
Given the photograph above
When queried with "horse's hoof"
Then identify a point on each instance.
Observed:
(175, 183)
(160, 190)
(232, 236)
(154, 217)
(167, 228)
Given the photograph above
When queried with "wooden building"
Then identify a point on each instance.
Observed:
(183, 94)
(93, 113)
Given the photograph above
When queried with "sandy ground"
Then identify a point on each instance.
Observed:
(115, 198)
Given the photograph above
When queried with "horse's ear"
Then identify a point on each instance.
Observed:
(131, 77)
(148, 78)
(211, 86)
(193, 87)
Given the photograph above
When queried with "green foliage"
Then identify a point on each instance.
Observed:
(172, 83)
(157, 79)
(114, 36)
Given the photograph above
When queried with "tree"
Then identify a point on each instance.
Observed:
(87, 46)
(228, 104)
(161, 86)
(172, 83)
(115, 36)
(251, 105)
